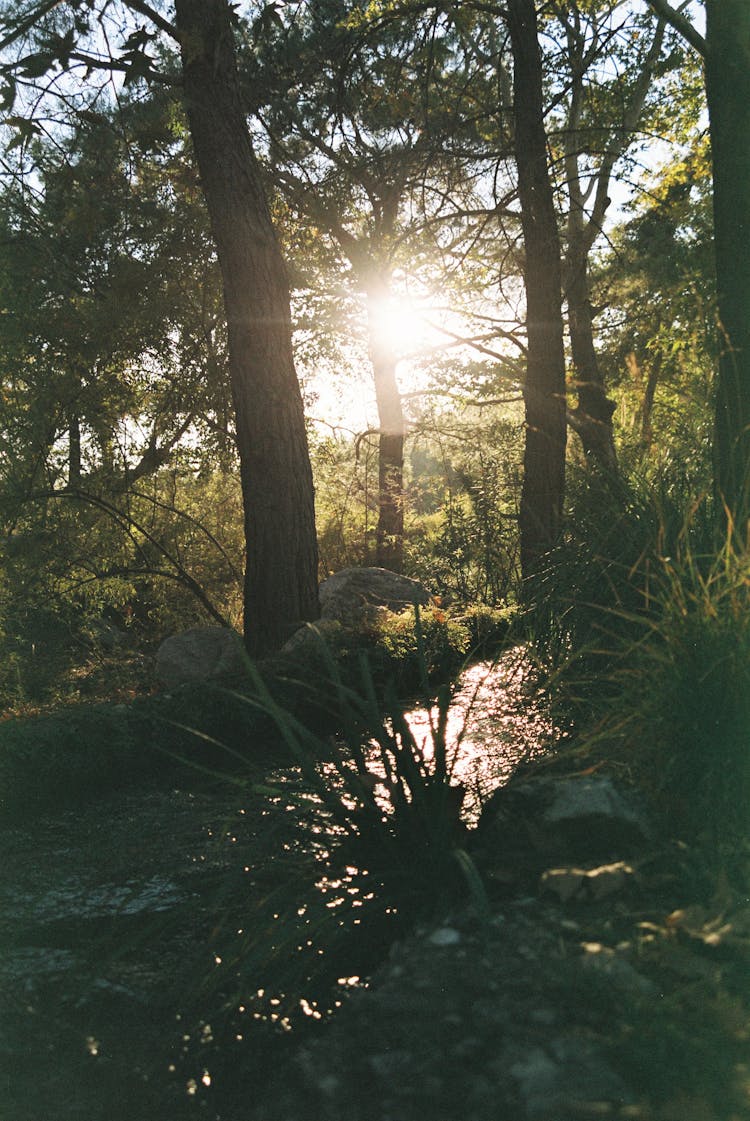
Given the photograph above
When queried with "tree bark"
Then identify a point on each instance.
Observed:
(277, 487)
(544, 390)
(592, 416)
(390, 528)
(728, 93)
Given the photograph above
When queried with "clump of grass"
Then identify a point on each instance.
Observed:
(380, 841)
(682, 711)
(643, 636)
(391, 798)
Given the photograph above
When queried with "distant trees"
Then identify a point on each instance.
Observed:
(368, 146)
(112, 352)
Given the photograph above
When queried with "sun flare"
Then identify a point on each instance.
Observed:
(399, 323)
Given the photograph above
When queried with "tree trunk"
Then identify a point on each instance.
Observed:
(592, 416)
(74, 449)
(728, 92)
(277, 488)
(544, 391)
(390, 529)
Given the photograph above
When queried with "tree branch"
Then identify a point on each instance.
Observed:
(22, 28)
(159, 21)
(681, 23)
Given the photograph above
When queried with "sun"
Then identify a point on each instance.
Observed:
(397, 322)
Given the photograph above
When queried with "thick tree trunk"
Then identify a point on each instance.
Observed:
(390, 529)
(277, 488)
(728, 92)
(544, 391)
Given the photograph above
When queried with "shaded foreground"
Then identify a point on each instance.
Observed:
(179, 953)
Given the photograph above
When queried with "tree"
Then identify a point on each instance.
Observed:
(544, 389)
(658, 334)
(281, 568)
(606, 71)
(111, 318)
(277, 487)
(726, 53)
(370, 153)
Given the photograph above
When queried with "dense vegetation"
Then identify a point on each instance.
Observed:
(456, 289)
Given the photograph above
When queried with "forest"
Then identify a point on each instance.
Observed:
(292, 293)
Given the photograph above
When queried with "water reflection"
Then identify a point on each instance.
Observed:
(316, 929)
(495, 721)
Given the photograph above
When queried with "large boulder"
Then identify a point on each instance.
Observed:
(212, 655)
(353, 596)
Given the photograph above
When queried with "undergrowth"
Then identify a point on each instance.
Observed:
(641, 627)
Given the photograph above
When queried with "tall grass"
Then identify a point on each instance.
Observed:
(391, 798)
(644, 636)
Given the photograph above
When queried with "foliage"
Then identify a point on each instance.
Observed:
(644, 639)
(658, 332)
(682, 714)
(462, 488)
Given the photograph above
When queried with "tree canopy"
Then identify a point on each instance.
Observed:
(176, 229)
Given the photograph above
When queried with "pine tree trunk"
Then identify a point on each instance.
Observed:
(728, 92)
(592, 417)
(544, 390)
(277, 487)
(390, 528)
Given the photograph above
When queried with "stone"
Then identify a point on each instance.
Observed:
(588, 883)
(541, 818)
(567, 1078)
(444, 936)
(353, 595)
(310, 636)
(210, 655)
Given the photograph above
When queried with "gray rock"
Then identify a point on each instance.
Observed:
(542, 817)
(201, 654)
(311, 635)
(353, 595)
(567, 1078)
(593, 797)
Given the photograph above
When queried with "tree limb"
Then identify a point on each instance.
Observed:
(681, 23)
(22, 28)
(159, 21)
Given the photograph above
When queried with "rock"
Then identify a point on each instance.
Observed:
(201, 654)
(311, 635)
(566, 1078)
(353, 595)
(444, 936)
(591, 883)
(542, 819)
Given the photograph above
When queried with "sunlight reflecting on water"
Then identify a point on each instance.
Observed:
(495, 721)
